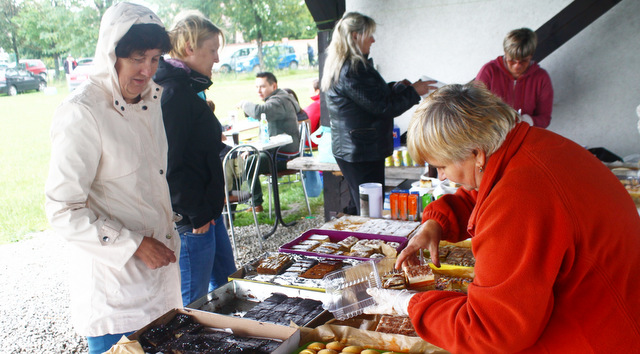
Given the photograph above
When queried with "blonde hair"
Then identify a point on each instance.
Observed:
(191, 27)
(520, 43)
(457, 119)
(343, 47)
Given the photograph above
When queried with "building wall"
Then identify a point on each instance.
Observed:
(596, 74)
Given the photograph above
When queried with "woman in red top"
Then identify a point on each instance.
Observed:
(520, 81)
(555, 235)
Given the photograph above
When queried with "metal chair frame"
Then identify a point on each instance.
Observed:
(239, 180)
(304, 138)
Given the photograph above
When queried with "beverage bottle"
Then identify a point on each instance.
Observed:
(393, 204)
(264, 128)
(414, 206)
(403, 205)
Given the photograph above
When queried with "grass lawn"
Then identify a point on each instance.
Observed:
(25, 120)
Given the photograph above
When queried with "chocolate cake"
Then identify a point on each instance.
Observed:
(183, 335)
(281, 309)
(321, 269)
(396, 325)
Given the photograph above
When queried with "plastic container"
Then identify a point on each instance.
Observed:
(264, 129)
(396, 136)
(325, 153)
(346, 289)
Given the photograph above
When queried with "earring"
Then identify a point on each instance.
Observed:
(481, 169)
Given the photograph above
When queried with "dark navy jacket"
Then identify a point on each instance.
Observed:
(194, 172)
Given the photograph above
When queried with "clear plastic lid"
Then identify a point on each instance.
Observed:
(346, 289)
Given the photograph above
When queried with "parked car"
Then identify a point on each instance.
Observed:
(231, 57)
(13, 81)
(80, 74)
(35, 66)
(277, 56)
(84, 61)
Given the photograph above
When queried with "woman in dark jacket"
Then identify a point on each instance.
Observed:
(362, 105)
(194, 172)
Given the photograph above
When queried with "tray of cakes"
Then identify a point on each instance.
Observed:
(345, 245)
(354, 223)
(266, 303)
(192, 331)
(290, 270)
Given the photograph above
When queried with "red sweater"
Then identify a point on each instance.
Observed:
(557, 244)
(313, 111)
(531, 93)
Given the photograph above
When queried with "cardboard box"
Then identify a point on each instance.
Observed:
(289, 336)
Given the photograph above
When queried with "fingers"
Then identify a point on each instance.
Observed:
(154, 254)
(408, 256)
(435, 254)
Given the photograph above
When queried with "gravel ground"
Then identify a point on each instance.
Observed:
(34, 313)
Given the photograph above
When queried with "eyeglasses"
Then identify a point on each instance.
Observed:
(522, 61)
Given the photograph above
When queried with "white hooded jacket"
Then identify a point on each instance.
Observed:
(107, 189)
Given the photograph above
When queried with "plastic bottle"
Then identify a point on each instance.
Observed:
(264, 128)
(396, 136)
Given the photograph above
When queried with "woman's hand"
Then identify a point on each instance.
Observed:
(154, 253)
(204, 228)
(423, 87)
(428, 236)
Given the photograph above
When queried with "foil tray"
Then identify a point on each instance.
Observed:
(248, 274)
(237, 297)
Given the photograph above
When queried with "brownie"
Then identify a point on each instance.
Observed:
(274, 264)
(396, 325)
(321, 269)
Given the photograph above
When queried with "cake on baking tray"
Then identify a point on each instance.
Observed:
(274, 264)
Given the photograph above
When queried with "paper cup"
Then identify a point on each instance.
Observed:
(371, 200)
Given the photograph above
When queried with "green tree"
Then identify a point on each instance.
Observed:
(259, 20)
(42, 37)
(9, 9)
(270, 20)
(168, 9)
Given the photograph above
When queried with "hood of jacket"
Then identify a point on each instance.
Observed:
(174, 69)
(116, 22)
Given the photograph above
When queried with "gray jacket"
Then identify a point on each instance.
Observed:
(281, 111)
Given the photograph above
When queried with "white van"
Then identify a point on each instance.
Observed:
(231, 54)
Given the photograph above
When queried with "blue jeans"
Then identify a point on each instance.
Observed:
(99, 345)
(223, 264)
(206, 260)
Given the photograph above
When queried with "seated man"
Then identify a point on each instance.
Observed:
(280, 109)
(520, 82)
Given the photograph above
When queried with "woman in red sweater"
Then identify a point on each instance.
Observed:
(518, 80)
(555, 235)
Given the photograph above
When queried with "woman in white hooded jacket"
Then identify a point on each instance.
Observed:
(107, 193)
